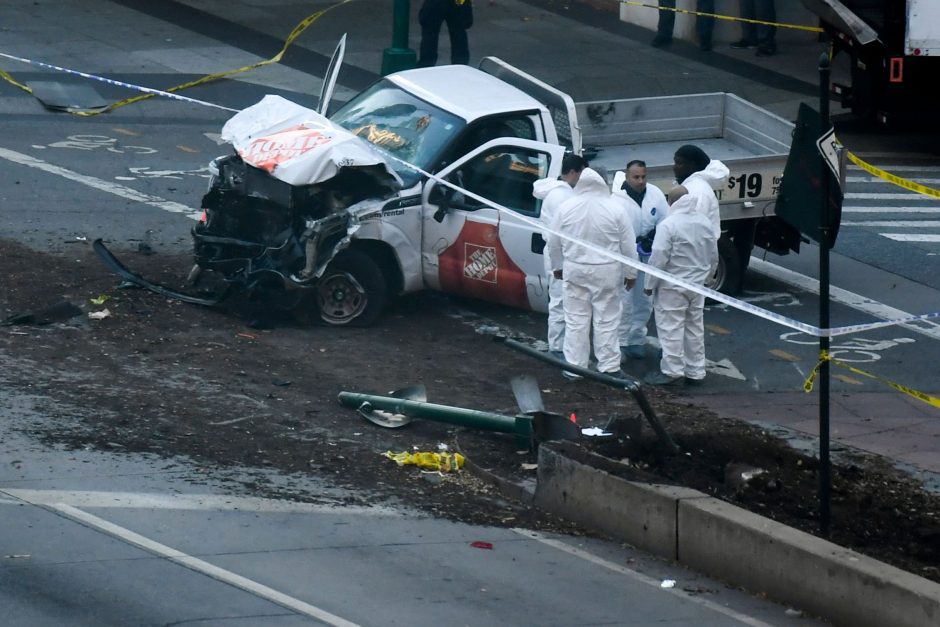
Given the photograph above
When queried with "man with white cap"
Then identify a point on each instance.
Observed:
(593, 223)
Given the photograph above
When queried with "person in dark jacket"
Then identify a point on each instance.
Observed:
(458, 14)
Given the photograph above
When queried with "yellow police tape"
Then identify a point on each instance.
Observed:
(824, 356)
(893, 178)
(431, 461)
(718, 16)
(300, 28)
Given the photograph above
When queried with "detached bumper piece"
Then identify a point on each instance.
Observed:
(118, 268)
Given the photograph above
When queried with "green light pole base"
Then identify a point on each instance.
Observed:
(397, 59)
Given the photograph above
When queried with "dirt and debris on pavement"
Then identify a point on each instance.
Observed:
(168, 378)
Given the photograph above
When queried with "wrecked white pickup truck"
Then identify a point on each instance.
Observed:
(342, 208)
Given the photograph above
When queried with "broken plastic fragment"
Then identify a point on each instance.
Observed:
(594, 431)
(668, 583)
(99, 315)
(432, 461)
(100, 300)
(479, 544)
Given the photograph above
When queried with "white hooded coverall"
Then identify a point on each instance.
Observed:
(592, 280)
(686, 247)
(703, 184)
(553, 192)
(637, 306)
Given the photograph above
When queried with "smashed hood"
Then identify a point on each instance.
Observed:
(299, 146)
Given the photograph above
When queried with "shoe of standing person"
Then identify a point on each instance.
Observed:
(743, 44)
(766, 50)
(571, 376)
(658, 378)
(694, 382)
(661, 41)
(634, 351)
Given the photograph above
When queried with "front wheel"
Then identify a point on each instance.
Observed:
(727, 277)
(353, 290)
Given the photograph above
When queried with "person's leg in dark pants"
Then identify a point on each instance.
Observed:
(665, 25)
(430, 17)
(765, 11)
(459, 44)
(748, 29)
(705, 25)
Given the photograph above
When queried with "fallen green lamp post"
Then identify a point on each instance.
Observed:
(532, 426)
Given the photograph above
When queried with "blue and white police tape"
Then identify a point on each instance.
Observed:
(111, 81)
(640, 266)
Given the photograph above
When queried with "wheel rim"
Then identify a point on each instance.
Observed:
(717, 279)
(341, 298)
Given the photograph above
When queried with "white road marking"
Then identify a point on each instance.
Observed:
(851, 209)
(655, 583)
(200, 566)
(912, 237)
(845, 297)
(906, 224)
(899, 196)
(100, 184)
(898, 168)
(875, 179)
(195, 502)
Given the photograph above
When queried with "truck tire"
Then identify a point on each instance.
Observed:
(727, 277)
(352, 292)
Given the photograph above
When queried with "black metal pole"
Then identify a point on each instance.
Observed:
(825, 480)
(629, 384)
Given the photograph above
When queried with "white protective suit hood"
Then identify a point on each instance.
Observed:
(685, 204)
(715, 174)
(543, 187)
(591, 183)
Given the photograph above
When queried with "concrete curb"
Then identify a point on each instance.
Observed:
(724, 541)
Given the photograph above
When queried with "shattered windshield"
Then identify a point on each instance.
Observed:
(401, 124)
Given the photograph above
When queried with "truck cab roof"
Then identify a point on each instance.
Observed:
(464, 91)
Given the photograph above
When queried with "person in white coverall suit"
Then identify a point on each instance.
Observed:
(553, 192)
(686, 247)
(701, 176)
(646, 205)
(592, 280)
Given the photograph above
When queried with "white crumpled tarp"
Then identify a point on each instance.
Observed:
(295, 144)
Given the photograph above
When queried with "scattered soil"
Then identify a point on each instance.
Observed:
(164, 377)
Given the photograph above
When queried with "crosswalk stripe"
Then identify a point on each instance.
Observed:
(889, 196)
(851, 209)
(912, 237)
(905, 224)
(875, 179)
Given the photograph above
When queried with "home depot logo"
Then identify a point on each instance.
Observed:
(480, 263)
(271, 150)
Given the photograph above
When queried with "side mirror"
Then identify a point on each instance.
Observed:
(440, 196)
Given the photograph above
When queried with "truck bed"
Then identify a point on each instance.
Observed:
(748, 139)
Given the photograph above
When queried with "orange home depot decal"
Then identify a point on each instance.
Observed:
(269, 151)
(477, 265)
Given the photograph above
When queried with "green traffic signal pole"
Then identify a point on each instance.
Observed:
(399, 56)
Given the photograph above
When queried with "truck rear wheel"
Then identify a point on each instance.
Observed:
(353, 290)
(727, 277)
